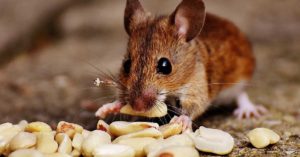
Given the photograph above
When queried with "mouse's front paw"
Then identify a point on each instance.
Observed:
(183, 120)
(109, 108)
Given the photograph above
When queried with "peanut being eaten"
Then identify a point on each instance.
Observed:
(158, 110)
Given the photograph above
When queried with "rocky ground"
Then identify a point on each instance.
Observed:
(51, 77)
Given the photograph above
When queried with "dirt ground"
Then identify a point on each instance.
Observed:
(51, 81)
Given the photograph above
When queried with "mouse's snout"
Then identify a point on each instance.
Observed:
(144, 101)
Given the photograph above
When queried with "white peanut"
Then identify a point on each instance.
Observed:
(150, 132)
(38, 127)
(119, 128)
(57, 155)
(262, 137)
(26, 153)
(77, 141)
(113, 150)
(46, 142)
(138, 144)
(7, 133)
(176, 140)
(170, 129)
(159, 110)
(22, 140)
(69, 128)
(175, 151)
(213, 141)
(93, 140)
(65, 143)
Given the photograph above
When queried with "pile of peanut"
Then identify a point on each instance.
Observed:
(119, 139)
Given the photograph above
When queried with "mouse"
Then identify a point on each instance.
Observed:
(199, 58)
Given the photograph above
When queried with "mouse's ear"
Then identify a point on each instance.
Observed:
(189, 18)
(134, 14)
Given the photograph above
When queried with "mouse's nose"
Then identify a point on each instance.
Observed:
(145, 101)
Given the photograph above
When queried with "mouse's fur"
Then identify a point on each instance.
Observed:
(208, 55)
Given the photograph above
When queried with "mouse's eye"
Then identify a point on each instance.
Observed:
(164, 66)
(126, 66)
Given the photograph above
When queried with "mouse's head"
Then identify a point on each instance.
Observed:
(160, 56)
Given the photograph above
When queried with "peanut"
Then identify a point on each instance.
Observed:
(77, 141)
(5, 126)
(26, 153)
(69, 128)
(138, 144)
(176, 140)
(23, 124)
(38, 127)
(170, 129)
(46, 142)
(150, 132)
(159, 110)
(113, 150)
(6, 135)
(102, 125)
(22, 140)
(65, 143)
(175, 151)
(93, 140)
(75, 153)
(119, 128)
(57, 155)
(213, 141)
(262, 137)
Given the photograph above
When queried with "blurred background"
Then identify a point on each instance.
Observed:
(52, 51)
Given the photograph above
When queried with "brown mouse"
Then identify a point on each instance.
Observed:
(199, 58)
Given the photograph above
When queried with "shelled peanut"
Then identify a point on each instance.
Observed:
(119, 139)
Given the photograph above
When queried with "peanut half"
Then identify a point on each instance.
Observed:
(22, 140)
(93, 140)
(46, 142)
(119, 128)
(102, 125)
(69, 128)
(170, 129)
(212, 141)
(26, 153)
(57, 155)
(175, 151)
(6, 135)
(77, 141)
(38, 127)
(158, 110)
(113, 150)
(176, 140)
(138, 144)
(65, 143)
(150, 132)
(262, 137)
